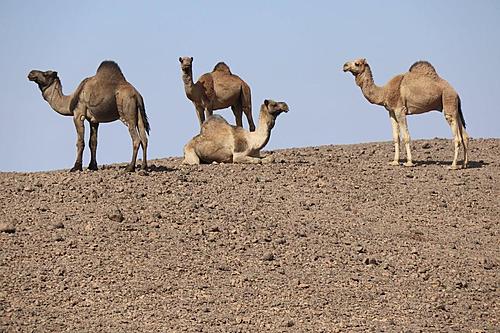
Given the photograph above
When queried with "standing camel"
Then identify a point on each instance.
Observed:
(417, 91)
(102, 98)
(217, 90)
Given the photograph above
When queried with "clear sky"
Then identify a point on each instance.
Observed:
(285, 50)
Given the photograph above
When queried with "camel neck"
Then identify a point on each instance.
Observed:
(56, 99)
(263, 132)
(373, 93)
(187, 78)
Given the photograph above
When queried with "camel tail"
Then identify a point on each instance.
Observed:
(143, 119)
(460, 112)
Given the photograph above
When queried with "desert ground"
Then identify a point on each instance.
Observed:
(325, 239)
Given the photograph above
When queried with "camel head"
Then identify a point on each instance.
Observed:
(43, 79)
(274, 108)
(355, 67)
(186, 63)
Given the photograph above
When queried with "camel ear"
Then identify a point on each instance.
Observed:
(180, 60)
(266, 102)
(363, 61)
(53, 73)
(191, 59)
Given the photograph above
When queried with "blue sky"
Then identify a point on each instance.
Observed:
(285, 50)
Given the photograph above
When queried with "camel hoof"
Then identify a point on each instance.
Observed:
(268, 159)
(130, 168)
(453, 167)
(76, 167)
(394, 163)
(93, 167)
(408, 164)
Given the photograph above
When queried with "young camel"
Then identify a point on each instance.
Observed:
(102, 98)
(417, 91)
(220, 142)
(217, 90)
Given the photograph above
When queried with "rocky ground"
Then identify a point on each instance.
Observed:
(326, 239)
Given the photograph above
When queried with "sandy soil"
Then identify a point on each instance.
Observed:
(326, 239)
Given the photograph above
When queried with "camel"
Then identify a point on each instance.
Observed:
(417, 91)
(102, 98)
(217, 90)
(221, 142)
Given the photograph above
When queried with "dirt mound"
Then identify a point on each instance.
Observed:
(326, 239)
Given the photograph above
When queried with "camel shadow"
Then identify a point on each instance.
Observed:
(151, 168)
(470, 165)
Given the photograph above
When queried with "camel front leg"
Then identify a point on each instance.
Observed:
(93, 146)
(190, 156)
(245, 159)
(80, 144)
(200, 112)
(395, 137)
(401, 118)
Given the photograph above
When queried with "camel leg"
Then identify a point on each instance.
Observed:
(452, 121)
(238, 114)
(208, 112)
(80, 144)
(401, 117)
(190, 156)
(136, 142)
(200, 112)
(395, 138)
(144, 143)
(242, 158)
(465, 142)
(248, 113)
(93, 146)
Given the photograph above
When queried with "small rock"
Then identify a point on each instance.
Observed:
(157, 215)
(7, 228)
(268, 256)
(370, 261)
(426, 145)
(281, 241)
(289, 323)
(59, 238)
(360, 249)
(116, 215)
(143, 173)
(58, 225)
(214, 229)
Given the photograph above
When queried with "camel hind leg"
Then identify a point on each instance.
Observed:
(450, 107)
(127, 109)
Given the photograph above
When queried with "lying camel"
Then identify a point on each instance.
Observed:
(217, 90)
(221, 142)
(102, 98)
(417, 91)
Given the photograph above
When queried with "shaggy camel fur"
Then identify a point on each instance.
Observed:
(220, 142)
(417, 91)
(217, 90)
(102, 98)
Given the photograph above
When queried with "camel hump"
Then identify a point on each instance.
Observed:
(222, 67)
(110, 70)
(423, 67)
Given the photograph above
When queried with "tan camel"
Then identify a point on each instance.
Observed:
(102, 98)
(417, 91)
(217, 90)
(220, 142)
